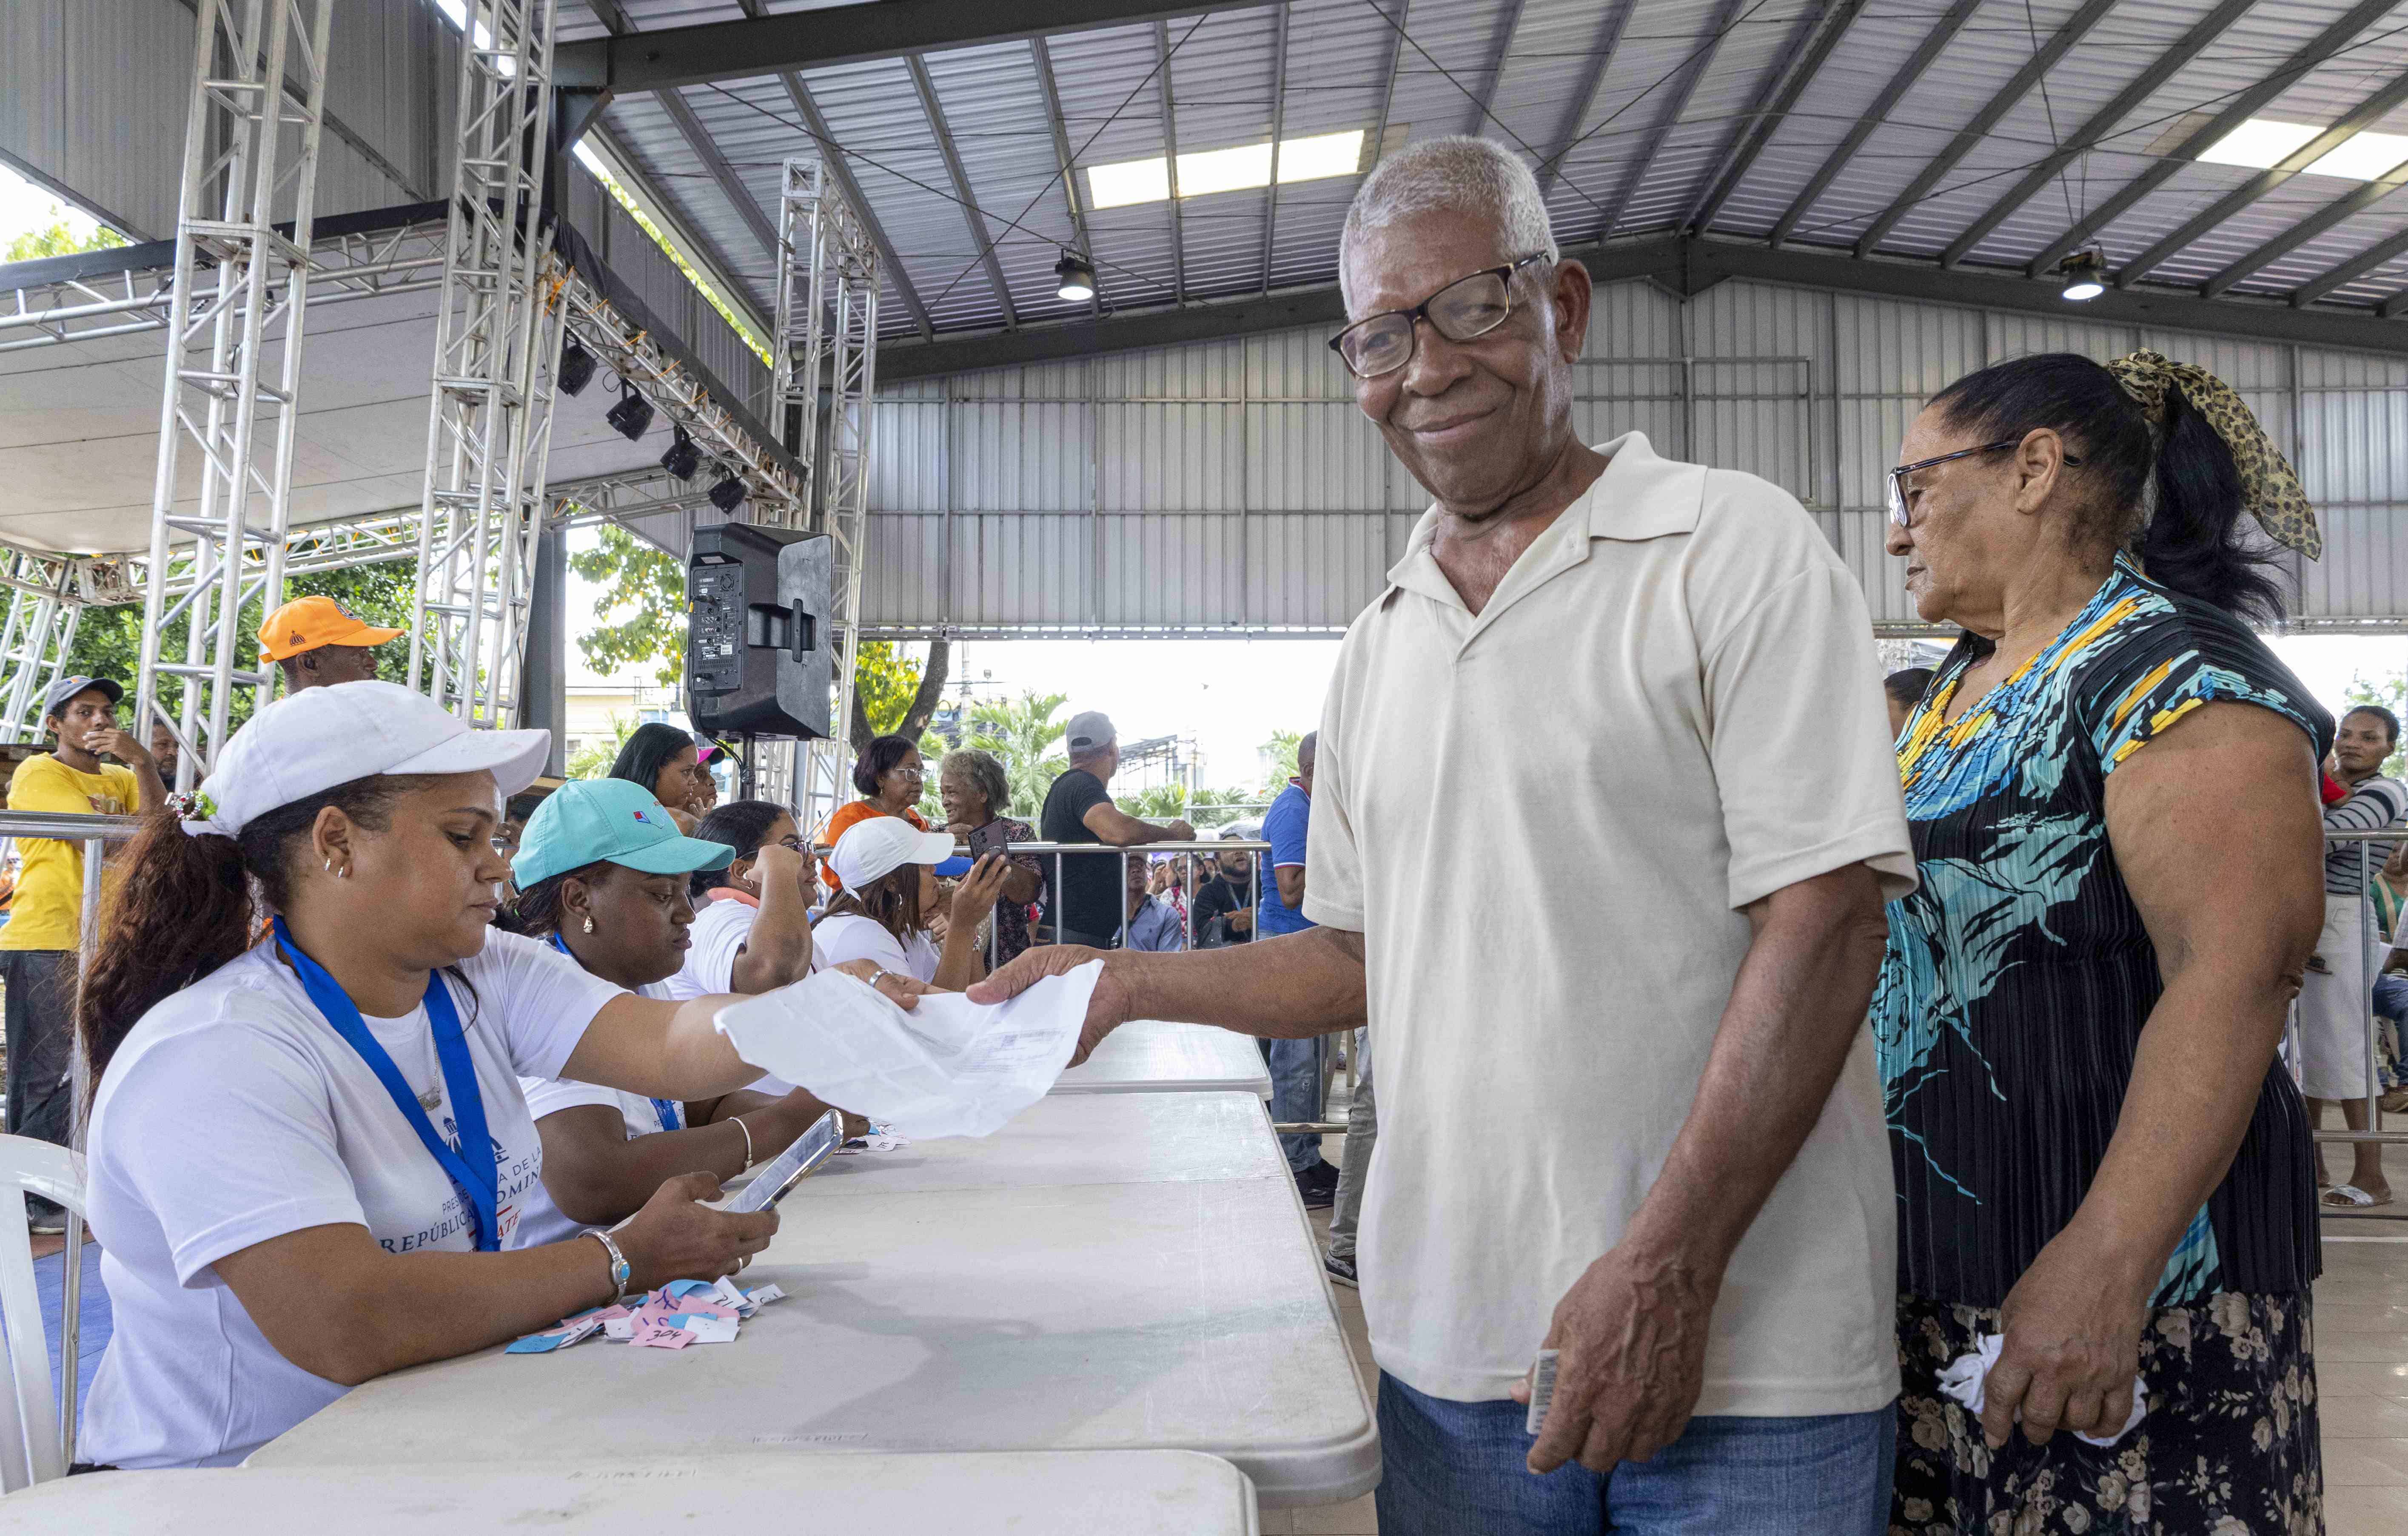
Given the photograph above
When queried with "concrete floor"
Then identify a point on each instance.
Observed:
(2361, 1371)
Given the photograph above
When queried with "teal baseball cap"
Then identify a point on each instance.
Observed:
(592, 820)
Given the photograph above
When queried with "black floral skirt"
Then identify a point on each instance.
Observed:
(2228, 1448)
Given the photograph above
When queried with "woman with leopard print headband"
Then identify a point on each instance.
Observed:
(2103, 1174)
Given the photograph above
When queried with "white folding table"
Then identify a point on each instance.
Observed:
(1101, 1138)
(1103, 1493)
(1022, 1310)
(1149, 1056)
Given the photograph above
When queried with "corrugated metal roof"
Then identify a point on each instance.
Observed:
(1226, 69)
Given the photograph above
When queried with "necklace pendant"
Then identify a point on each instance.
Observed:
(431, 1098)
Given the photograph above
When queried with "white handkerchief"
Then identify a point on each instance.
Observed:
(949, 1067)
(1967, 1374)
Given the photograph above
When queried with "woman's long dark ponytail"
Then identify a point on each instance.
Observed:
(2170, 493)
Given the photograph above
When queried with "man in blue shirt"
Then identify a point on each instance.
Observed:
(1296, 1065)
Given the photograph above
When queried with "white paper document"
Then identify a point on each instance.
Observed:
(949, 1067)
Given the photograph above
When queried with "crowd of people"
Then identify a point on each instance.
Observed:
(1896, 1134)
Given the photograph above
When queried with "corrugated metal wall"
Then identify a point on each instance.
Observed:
(94, 95)
(1233, 486)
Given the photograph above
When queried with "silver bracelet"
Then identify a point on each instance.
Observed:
(739, 1121)
(620, 1273)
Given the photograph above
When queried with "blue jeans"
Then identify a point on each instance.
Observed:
(1296, 1093)
(1454, 1468)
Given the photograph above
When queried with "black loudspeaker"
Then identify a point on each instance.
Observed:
(757, 661)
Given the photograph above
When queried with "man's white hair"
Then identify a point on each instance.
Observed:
(1476, 177)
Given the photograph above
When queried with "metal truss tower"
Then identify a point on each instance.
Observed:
(496, 343)
(45, 601)
(825, 370)
(233, 373)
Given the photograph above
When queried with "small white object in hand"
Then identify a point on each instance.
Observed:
(1967, 1374)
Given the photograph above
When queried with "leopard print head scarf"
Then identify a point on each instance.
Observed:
(2269, 489)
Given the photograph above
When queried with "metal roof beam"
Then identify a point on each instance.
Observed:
(981, 239)
(2364, 115)
(2356, 201)
(1170, 164)
(1584, 102)
(1951, 21)
(2238, 109)
(813, 39)
(1389, 81)
(2144, 86)
(1686, 265)
(2347, 272)
(1690, 73)
(1483, 99)
(1825, 29)
(1045, 82)
(1278, 126)
(2060, 43)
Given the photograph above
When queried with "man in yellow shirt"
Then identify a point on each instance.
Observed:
(38, 945)
(318, 643)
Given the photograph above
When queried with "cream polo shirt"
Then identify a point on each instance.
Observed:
(1544, 820)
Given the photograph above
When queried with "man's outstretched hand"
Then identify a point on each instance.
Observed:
(1107, 1010)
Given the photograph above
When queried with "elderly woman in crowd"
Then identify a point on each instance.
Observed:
(2112, 788)
(976, 794)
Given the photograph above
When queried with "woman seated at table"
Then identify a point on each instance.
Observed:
(666, 762)
(890, 776)
(886, 884)
(755, 934)
(603, 879)
(306, 1154)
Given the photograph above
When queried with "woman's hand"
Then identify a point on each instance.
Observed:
(902, 990)
(675, 1237)
(979, 890)
(779, 867)
(2072, 1347)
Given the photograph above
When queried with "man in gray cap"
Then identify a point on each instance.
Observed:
(1078, 809)
(37, 948)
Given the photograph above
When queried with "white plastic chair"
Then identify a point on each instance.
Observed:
(30, 1449)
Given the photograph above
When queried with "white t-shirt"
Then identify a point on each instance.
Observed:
(1711, 663)
(234, 1113)
(540, 1221)
(719, 930)
(850, 936)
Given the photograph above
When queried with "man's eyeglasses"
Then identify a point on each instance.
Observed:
(1901, 513)
(1464, 309)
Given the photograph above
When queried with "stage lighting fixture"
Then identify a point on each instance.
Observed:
(683, 457)
(632, 414)
(2085, 276)
(576, 370)
(1074, 278)
(728, 494)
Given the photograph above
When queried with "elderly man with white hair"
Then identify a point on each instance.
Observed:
(1640, 1127)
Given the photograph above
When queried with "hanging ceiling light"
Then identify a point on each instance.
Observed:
(683, 457)
(2085, 274)
(576, 370)
(728, 494)
(1074, 278)
(632, 414)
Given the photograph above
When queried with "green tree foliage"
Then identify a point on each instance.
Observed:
(1023, 733)
(1281, 749)
(642, 606)
(594, 759)
(59, 238)
(109, 641)
(2391, 691)
(1206, 808)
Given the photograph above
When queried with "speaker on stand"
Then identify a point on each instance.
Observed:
(758, 666)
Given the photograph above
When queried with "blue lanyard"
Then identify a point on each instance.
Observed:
(666, 1109)
(477, 1179)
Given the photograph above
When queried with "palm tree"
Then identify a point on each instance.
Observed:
(1023, 732)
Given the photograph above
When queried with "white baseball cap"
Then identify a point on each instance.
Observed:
(306, 743)
(877, 846)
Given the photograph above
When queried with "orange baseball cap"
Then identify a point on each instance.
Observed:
(307, 623)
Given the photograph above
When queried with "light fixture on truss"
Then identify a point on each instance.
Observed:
(632, 414)
(728, 494)
(683, 457)
(576, 370)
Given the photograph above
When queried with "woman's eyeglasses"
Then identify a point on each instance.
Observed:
(1464, 309)
(1901, 514)
(795, 842)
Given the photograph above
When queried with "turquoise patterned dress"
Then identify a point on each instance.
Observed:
(2012, 998)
